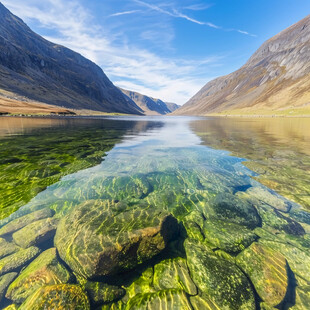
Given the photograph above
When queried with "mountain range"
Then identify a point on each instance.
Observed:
(149, 105)
(42, 71)
(275, 80)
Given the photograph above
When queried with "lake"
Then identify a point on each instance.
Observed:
(155, 213)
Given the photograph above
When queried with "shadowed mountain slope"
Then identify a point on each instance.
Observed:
(40, 70)
(149, 105)
(275, 79)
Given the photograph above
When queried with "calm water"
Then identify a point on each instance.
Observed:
(187, 167)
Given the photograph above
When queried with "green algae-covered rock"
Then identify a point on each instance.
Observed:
(25, 220)
(99, 292)
(36, 233)
(59, 296)
(165, 299)
(173, 274)
(228, 236)
(220, 280)
(5, 281)
(95, 240)
(7, 248)
(302, 299)
(44, 270)
(298, 260)
(193, 223)
(267, 270)
(143, 284)
(228, 207)
(273, 219)
(201, 301)
(265, 306)
(18, 259)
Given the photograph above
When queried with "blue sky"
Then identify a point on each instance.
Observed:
(165, 49)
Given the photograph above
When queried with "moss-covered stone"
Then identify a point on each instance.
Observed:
(11, 307)
(18, 259)
(7, 248)
(166, 299)
(44, 270)
(228, 207)
(193, 223)
(123, 239)
(173, 274)
(36, 233)
(25, 220)
(265, 306)
(99, 292)
(298, 259)
(222, 281)
(302, 299)
(59, 296)
(228, 236)
(276, 222)
(201, 301)
(5, 281)
(267, 270)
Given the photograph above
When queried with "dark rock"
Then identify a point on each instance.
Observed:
(5, 281)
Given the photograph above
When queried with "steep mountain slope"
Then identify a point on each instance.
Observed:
(172, 106)
(33, 67)
(276, 78)
(149, 105)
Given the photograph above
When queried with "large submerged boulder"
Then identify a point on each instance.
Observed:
(101, 238)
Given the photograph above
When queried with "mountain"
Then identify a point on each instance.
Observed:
(35, 68)
(149, 105)
(276, 79)
(172, 106)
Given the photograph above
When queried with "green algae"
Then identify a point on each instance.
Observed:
(29, 163)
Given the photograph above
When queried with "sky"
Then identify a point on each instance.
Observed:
(164, 49)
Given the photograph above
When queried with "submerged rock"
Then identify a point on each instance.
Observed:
(95, 240)
(302, 300)
(267, 270)
(220, 280)
(36, 232)
(44, 270)
(173, 274)
(299, 260)
(18, 259)
(273, 219)
(5, 281)
(228, 207)
(59, 296)
(227, 236)
(165, 299)
(265, 196)
(25, 220)
(201, 301)
(7, 248)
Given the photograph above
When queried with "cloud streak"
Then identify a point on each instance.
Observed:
(124, 13)
(177, 14)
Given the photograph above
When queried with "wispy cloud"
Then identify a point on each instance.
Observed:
(177, 14)
(198, 7)
(124, 13)
(127, 65)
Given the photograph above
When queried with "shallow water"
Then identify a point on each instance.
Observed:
(177, 165)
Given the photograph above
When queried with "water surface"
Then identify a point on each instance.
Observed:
(131, 168)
